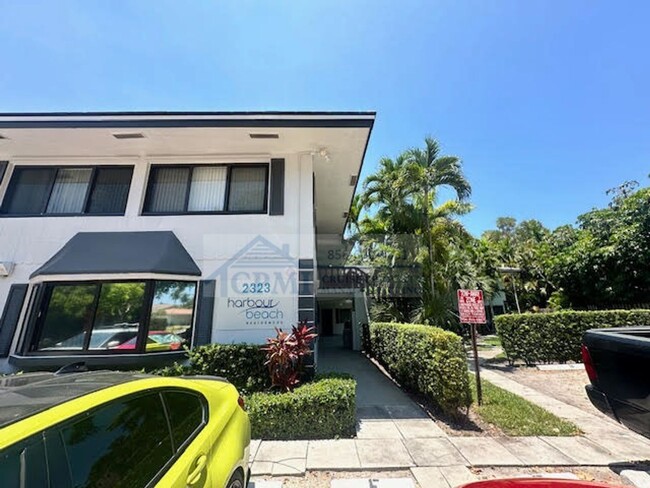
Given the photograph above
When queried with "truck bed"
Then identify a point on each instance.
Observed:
(621, 359)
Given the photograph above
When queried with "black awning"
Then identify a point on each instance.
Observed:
(121, 252)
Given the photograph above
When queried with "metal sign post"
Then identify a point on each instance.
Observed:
(472, 311)
(479, 390)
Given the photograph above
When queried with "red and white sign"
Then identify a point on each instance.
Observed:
(471, 307)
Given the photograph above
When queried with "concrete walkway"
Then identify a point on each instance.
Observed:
(378, 398)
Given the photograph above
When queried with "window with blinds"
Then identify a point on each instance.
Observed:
(38, 191)
(240, 188)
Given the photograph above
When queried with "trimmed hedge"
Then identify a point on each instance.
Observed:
(322, 409)
(556, 337)
(241, 364)
(424, 359)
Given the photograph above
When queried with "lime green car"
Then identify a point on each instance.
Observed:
(109, 429)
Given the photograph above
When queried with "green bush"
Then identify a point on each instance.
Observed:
(556, 337)
(241, 364)
(426, 360)
(322, 409)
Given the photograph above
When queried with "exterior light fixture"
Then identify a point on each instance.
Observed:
(6, 269)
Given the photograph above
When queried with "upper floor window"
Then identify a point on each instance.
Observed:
(240, 188)
(100, 190)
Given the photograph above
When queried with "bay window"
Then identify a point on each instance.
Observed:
(116, 317)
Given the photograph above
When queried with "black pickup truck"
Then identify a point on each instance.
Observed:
(617, 361)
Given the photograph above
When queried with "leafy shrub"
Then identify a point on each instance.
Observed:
(426, 360)
(556, 337)
(241, 364)
(285, 354)
(322, 409)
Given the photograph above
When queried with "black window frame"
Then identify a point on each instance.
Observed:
(38, 314)
(56, 168)
(225, 211)
(177, 451)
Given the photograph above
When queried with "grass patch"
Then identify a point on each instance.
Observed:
(517, 416)
(500, 358)
(493, 341)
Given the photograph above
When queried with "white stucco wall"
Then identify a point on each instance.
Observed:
(212, 240)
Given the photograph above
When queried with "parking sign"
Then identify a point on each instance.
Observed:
(471, 307)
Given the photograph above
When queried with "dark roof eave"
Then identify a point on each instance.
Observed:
(78, 120)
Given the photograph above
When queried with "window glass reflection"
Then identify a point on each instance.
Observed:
(118, 316)
(69, 312)
(172, 313)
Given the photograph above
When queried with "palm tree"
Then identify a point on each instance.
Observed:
(385, 191)
(425, 171)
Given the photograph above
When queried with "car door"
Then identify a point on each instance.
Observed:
(187, 412)
(24, 463)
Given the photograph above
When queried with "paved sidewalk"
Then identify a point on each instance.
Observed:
(295, 457)
(603, 432)
(394, 433)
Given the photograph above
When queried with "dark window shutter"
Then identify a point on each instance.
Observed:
(204, 313)
(10, 316)
(276, 204)
(3, 169)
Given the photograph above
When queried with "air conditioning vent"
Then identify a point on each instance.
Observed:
(128, 135)
(264, 136)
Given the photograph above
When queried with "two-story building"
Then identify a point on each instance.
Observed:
(126, 236)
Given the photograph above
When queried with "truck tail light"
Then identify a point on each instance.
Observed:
(241, 402)
(589, 364)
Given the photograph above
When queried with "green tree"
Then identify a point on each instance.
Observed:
(426, 172)
(605, 261)
(401, 228)
(523, 246)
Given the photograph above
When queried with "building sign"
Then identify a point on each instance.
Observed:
(257, 288)
(471, 307)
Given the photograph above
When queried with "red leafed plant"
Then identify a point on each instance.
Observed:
(285, 353)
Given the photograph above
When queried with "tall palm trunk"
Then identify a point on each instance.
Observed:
(429, 238)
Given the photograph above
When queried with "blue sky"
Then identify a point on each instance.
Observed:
(547, 102)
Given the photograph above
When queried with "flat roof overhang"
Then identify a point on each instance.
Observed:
(86, 137)
(41, 120)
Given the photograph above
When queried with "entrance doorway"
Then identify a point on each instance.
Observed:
(327, 321)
